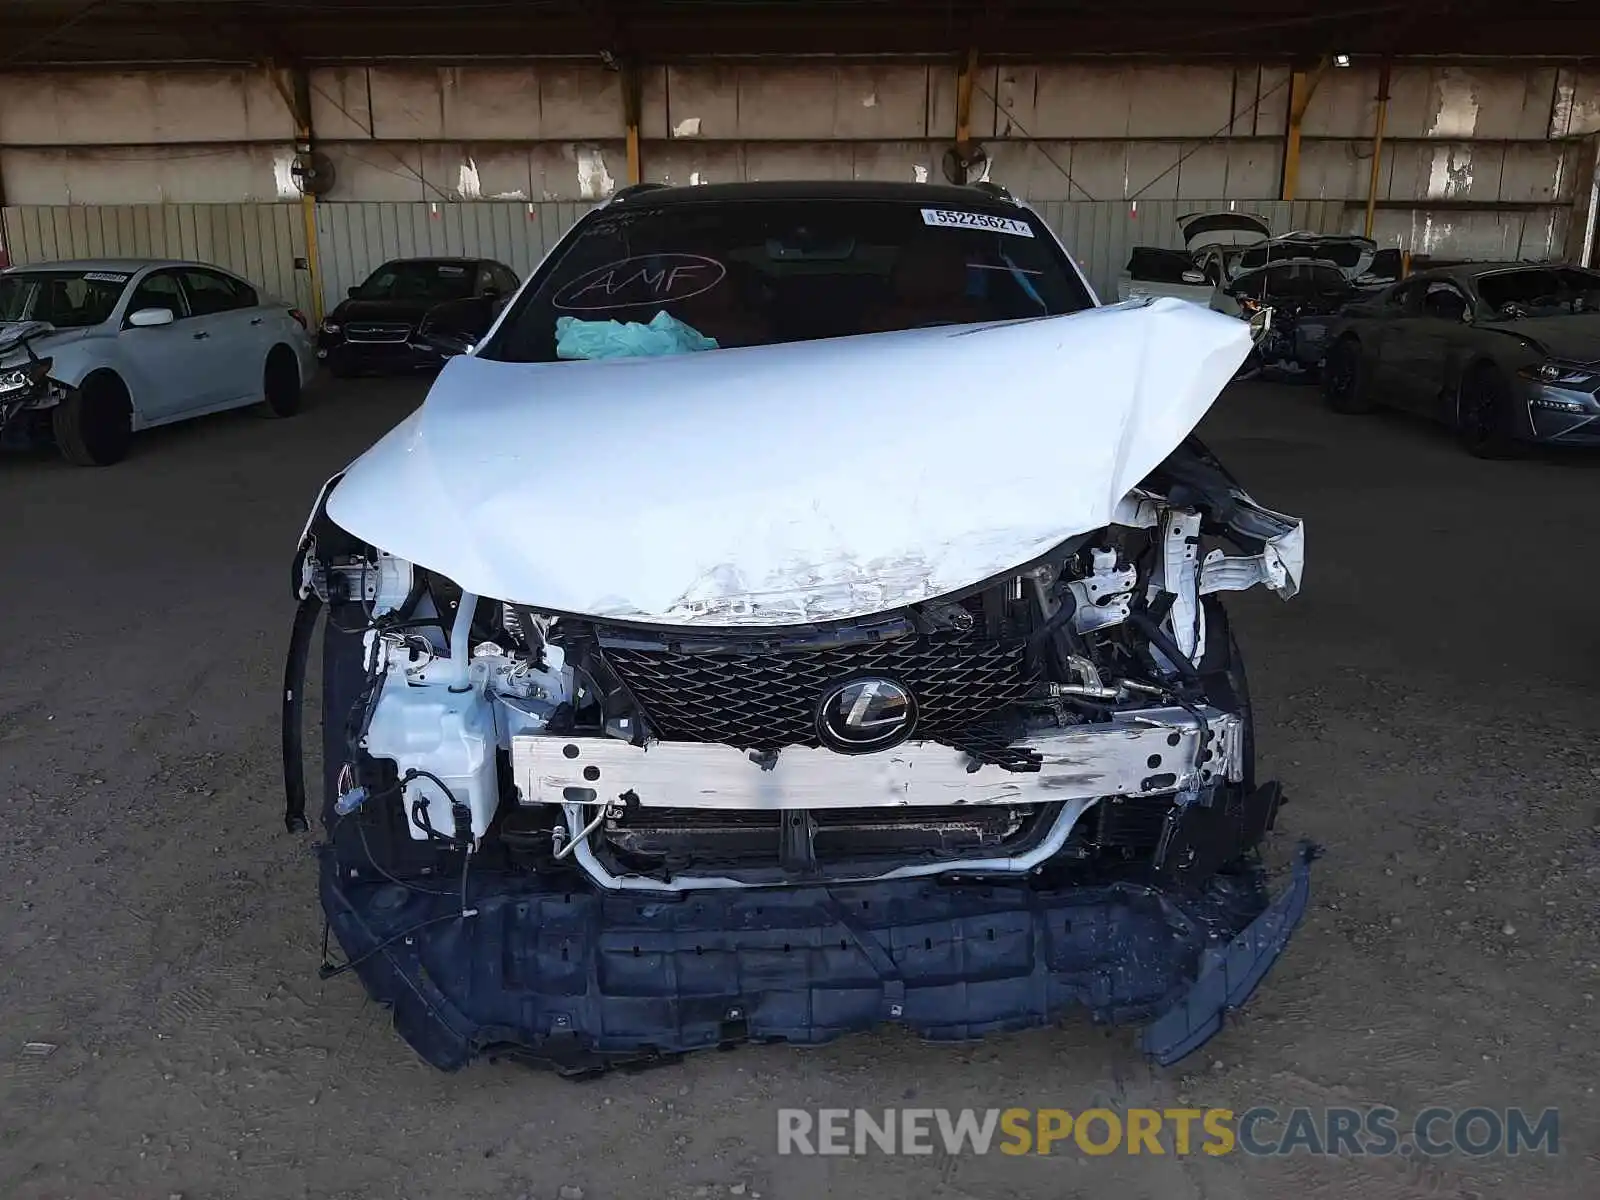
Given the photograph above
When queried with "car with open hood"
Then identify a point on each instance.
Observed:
(1305, 280)
(1505, 354)
(802, 611)
(1194, 272)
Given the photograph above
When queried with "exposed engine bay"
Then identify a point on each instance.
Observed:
(1070, 713)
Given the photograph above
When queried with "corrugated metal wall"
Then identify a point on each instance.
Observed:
(353, 239)
(259, 241)
(262, 241)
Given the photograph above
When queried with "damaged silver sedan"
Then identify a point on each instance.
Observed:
(803, 610)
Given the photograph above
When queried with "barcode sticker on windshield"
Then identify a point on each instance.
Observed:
(972, 220)
(105, 277)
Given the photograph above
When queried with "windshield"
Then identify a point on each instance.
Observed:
(1541, 291)
(1292, 279)
(698, 275)
(1347, 253)
(418, 279)
(65, 299)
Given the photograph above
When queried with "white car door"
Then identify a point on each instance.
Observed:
(168, 376)
(232, 322)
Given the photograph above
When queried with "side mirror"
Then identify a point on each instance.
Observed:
(1260, 324)
(144, 318)
(352, 292)
(1193, 277)
(444, 343)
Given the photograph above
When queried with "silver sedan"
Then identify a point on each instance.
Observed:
(91, 352)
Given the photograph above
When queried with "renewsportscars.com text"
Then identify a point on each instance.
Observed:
(1377, 1130)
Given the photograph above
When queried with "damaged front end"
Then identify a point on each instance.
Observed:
(25, 385)
(589, 838)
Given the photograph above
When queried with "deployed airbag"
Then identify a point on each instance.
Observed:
(665, 334)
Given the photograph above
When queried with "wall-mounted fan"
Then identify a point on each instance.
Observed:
(313, 172)
(965, 163)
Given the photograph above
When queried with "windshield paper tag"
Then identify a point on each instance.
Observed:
(105, 277)
(972, 220)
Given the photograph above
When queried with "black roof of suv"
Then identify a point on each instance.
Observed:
(655, 195)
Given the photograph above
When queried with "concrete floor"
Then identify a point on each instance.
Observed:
(1430, 702)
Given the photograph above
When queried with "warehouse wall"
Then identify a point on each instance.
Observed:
(262, 242)
(1478, 161)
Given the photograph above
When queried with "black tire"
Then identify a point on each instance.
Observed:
(1344, 378)
(94, 424)
(281, 383)
(1483, 413)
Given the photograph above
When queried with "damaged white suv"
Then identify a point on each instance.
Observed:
(844, 646)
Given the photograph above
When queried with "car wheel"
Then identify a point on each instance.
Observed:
(1483, 413)
(281, 383)
(1344, 378)
(93, 426)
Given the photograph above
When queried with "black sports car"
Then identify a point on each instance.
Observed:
(1504, 353)
(376, 328)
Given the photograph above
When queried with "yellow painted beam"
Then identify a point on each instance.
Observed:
(630, 114)
(294, 85)
(308, 213)
(1379, 123)
(1302, 86)
(1291, 141)
(969, 68)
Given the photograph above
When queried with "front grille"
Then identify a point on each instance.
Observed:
(963, 688)
(376, 331)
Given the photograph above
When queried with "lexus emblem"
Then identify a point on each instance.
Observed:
(861, 715)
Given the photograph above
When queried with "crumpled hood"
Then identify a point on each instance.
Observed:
(42, 335)
(783, 484)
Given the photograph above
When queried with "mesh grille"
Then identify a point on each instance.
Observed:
(766, 701)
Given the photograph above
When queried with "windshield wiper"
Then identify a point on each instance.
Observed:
(1022, 282)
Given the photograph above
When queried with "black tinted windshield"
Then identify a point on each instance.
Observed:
(1541, 291)
(65, 299)
(1292, 280)
(1341, 252)
(419, 279)
(754, 272)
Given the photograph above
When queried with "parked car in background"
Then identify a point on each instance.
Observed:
(1194, 272)
(92, 352)
(375, 328)
(1504, 353)
(1352, 255)
(1303, 296)
(1305, 279)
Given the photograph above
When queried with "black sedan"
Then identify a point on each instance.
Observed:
(1503, 353)
(375, 329)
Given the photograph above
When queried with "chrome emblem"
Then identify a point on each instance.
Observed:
(859, 716)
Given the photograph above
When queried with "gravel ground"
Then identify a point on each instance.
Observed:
(1429, 702)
